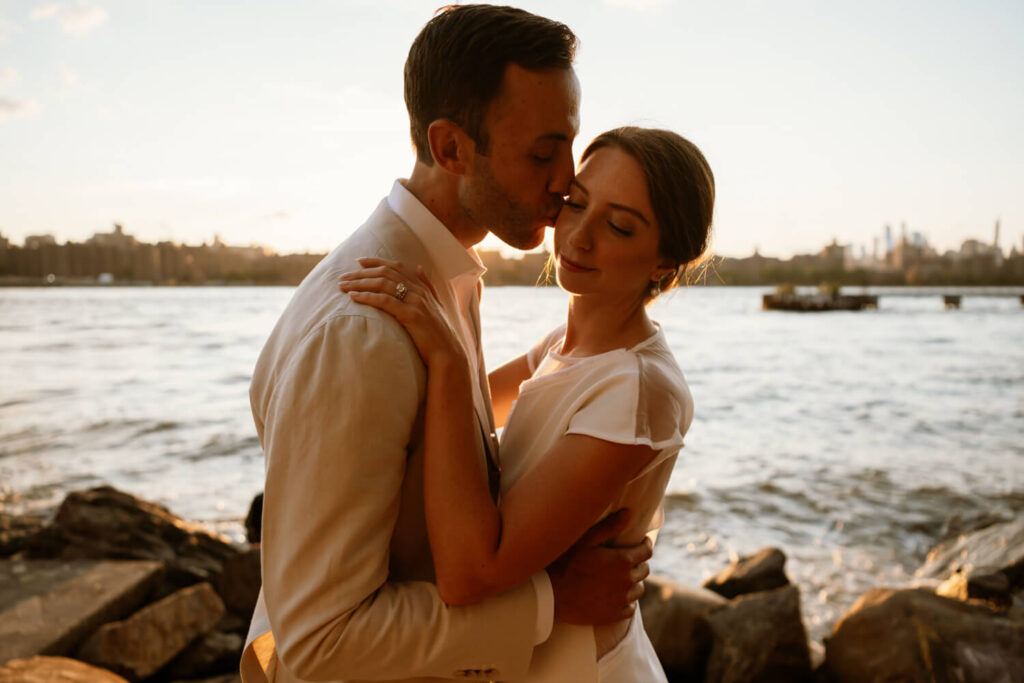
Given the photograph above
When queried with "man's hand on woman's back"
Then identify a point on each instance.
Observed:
(597, 584)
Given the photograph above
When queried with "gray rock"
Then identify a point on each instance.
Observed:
(759, 637)
(48, 607)
(106, 523)
(995, 548)
(915, 635)
(762, 571)
(147, 640)
(239, 582)
(55, 670)
(676, 620)
(215, 653)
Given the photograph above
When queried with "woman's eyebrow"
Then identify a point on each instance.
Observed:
(629, 209)
(578, 184)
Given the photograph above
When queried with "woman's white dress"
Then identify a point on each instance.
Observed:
(629, 396)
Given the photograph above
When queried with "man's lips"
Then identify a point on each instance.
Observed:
(572, 266)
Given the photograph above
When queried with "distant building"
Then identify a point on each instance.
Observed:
(40, 241)
(116, 239)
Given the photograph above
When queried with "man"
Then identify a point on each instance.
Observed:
(338, 391)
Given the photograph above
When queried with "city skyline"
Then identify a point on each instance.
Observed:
(284, 127)
(118, 257)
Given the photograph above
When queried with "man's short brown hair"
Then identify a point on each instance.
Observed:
(457, 62)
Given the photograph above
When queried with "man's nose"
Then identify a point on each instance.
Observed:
(564, 172)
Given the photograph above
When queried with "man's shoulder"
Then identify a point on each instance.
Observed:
(318, 308)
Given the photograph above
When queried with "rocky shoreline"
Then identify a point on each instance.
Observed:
(116, 588)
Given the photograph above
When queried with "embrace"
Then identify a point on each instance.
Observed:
(401, 540)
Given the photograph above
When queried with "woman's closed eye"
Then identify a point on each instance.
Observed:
(625, 232)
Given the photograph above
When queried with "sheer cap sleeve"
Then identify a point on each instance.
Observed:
(638, 401)
(535, 355)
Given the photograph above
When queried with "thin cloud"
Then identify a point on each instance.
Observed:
(67, 75)
(77, 19)
(8, 75)
(637, 4)
(46, 11)
(7, 29)
(13, 109)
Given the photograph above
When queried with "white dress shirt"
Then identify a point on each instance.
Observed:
(462, 269)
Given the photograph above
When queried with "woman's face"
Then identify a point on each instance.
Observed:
(606, 236)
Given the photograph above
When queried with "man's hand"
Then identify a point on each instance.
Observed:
(596, 584)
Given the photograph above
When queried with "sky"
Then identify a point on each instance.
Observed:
(283, 124)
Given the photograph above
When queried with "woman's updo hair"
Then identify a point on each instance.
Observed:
(681, 188)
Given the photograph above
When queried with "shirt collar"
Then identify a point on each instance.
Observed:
(451, 258)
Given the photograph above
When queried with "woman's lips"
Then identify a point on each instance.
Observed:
(573, 266)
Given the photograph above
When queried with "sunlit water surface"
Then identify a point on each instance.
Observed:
(846, 439)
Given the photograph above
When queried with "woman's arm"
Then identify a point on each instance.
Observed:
(504, 383)
(480, 550)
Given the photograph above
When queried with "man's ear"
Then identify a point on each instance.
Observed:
(451, 148)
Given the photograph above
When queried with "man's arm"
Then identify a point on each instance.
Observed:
(336, 431)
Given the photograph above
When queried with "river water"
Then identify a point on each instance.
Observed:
(846, 439)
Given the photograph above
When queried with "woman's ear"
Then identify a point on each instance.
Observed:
(451, 148)
(664, 269)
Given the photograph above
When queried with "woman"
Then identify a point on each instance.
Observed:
(593, 415)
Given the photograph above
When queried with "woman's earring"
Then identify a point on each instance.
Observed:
(655, 288)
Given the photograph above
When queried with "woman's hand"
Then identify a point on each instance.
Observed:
(412, 300)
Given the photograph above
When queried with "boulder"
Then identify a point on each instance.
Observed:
(239, 582)
(48, 607)
(991, 587)
(676, 620)
(254, 520)
(55, 670)
(106, 523)
(15, 530)
(147, 640)
(994, 548)
(215, 653)
(759, 637)
(762, 571)
(916, 635)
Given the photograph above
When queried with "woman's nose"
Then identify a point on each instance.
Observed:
(579, 234)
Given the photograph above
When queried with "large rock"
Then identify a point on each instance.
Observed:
(239, 582)
(55, 670)
(15, 530)
(676, 620)
(215, 653)
(995, 548)
(915, 635)
(759, 637)
(139, 645)
(993, 587)
(762, 571)
(106, 523)
(49, 607)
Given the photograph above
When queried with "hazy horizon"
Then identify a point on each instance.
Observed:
(284, 127)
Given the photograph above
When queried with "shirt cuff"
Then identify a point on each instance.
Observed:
(545, 607)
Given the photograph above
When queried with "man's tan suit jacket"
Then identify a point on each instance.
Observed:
(337, 396)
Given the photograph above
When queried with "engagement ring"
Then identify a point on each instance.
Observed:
(401, 290)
